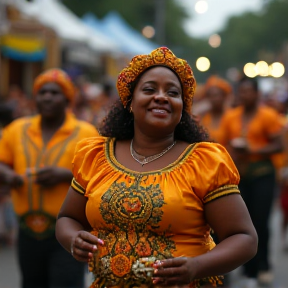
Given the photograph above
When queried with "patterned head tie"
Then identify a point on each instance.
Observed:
(57, 76)
(159, 57)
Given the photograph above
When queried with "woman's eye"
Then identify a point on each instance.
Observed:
(148, 90)
(173, 93)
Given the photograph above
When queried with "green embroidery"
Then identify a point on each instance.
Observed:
(132, 216)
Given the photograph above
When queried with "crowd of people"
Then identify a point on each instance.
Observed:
(144, 188)
(253, 128)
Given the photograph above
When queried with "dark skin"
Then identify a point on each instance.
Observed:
(51, 104)
(250, 100)
(157, 106)
(216, 97)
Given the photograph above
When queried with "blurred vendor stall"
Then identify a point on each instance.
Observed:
(27, 47)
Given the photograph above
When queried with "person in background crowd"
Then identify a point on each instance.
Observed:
(103, 103)
(217, 91)
(146, 194)
(279, 101)
(252, 135)
(7, 217)
(20, 104)
(35, 160)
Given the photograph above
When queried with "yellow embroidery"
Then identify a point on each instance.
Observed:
(222, 191)
(77, 186)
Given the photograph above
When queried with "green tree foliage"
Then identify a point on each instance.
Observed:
(252, 37)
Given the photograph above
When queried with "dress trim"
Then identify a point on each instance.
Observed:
(214, 281)
(220, 192)
(110, 156)
(76, 186)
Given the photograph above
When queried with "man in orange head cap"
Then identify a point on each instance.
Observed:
(35, 160)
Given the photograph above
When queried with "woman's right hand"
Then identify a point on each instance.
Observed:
(84, 245)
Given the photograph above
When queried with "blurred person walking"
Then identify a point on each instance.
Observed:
(217, 91)
(7, 217)
(279, 101)
(252, 134)
(35, 160)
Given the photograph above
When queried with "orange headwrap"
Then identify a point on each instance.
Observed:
(58, 76)
(216, 81)
(159, 57)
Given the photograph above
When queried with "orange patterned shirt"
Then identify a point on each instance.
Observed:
(149, 215)
(22, 147)
(262, 126)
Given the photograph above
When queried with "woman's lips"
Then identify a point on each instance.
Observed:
(158, 111)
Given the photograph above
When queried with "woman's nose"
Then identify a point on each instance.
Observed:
(161, 97)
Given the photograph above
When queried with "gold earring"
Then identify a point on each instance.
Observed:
(130, 109)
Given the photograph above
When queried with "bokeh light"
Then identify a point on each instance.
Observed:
(262, 68)
(148, 31)
(203, 64)
(249, 70)
(214, 40)
(201, 6)
(276, 69)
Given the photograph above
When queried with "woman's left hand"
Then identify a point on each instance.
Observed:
(174, 271)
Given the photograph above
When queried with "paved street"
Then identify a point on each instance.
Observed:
(9, 274)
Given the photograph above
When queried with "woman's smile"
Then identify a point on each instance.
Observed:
(159, 112)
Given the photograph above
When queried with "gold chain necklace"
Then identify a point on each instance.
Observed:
(136, 156)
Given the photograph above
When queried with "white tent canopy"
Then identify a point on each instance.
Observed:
(67, 25)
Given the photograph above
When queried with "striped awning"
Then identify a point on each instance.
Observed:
(23, 48)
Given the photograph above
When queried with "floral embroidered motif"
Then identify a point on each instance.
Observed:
(132, 215)
(120, 265)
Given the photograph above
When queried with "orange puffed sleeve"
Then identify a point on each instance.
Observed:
(216, 172)
(87, 154)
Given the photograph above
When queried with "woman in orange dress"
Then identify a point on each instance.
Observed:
(146, 194)
(217, 90)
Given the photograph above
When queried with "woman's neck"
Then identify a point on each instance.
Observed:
(147, 145)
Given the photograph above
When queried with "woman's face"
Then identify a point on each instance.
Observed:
(157, 102)
(247, 94)
(216, 97)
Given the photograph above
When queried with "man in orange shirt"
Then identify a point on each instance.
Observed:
(35, 160)
(252, 134)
